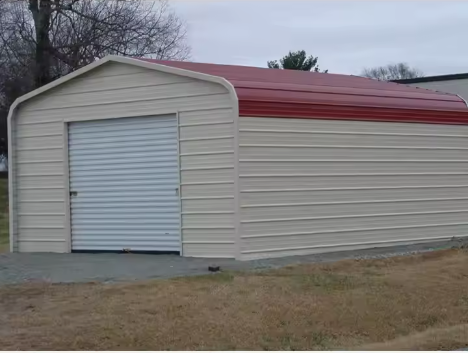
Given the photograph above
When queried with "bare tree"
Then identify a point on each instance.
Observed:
(392, 72)
(42, 40)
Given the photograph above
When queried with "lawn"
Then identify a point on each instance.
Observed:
(4, 215)
(414, 302)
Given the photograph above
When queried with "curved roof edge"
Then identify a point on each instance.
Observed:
(110, 58)
(266, 92)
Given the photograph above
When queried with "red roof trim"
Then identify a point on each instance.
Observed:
(266, 92)
(340, 112)
(350, 91)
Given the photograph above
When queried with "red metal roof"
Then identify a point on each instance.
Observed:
(288, 93)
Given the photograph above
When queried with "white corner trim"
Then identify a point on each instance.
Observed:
(130, 61)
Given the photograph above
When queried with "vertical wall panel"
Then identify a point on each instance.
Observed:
(207, 174)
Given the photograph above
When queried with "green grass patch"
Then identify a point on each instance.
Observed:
(218, 277)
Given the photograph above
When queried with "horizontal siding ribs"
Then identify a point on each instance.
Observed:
(349, 244)
(301, 181)
(207, 227)
(206, 138)
(347, 125)
(359, 147)
(351, 133)
(207, 212)
(209, 242)
(39, 201)
(207, 172)
(351, 202)
(206, 124)
(139, 85)
(208, 197)
(40, 227)
(41, 214)
(35, 136)
(206, 153)
(350, 216)
(40, 188)
(39, 161)
(52, 240)
(138, 100)
(207, 183)
(33, 122)
(332, 231)
(292, 160)
(39, 175)
(355, 188)
(207, 168)
(344, 174)
(38, 148)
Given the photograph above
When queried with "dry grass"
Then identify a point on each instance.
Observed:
(418, 302)
(431, 339)
(4, 215)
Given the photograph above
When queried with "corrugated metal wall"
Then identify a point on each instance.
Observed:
(125, 190)
(459, 87)
(319, 185)
(116, 91)
(207, 182)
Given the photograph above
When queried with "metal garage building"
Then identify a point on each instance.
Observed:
(228, 161)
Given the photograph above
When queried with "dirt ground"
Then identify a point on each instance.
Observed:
(417, 302)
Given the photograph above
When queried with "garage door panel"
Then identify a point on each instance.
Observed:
(105, 170)
(136, 145)
(113, 204)
(116, 180)
(113, 159)
(129, 136)
(124, 183)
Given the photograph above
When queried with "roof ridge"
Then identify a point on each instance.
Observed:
(281, 85)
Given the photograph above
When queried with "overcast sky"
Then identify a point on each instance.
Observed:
(346, 35)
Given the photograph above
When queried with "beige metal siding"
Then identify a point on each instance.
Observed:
(459, 87)
(207, 175)
(311, 186)
(117, 90)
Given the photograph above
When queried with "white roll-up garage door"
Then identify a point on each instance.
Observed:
(124, 183)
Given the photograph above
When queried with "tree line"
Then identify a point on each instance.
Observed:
(298, 60)
(42, 40)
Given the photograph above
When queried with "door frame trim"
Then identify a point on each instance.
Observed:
(66, 182)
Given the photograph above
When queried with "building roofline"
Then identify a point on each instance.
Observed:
(432, 78)
(110, 58)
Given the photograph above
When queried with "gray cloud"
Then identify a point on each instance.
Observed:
(346, 35)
